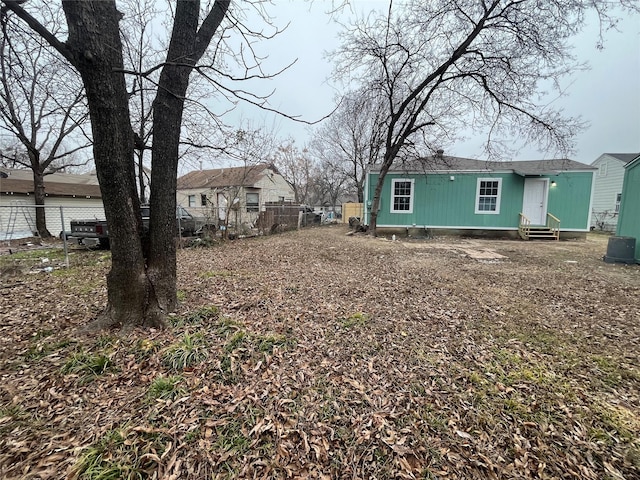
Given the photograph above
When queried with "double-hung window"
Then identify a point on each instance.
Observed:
(192, 200)
(253, 202)
(618, 200)
(401, 195)
(488, 195)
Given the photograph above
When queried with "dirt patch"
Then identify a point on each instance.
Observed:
(316, 355)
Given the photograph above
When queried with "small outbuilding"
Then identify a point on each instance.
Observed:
(629, 218)
(443, 194)
(607, 189)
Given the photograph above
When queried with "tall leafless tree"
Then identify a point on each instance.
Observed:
(352, 137)
(42, 106)
(446, 65)
(298, 168)
(142, 281)
(204, 133)
(141, 52)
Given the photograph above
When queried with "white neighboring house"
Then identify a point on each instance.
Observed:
(78, 195)
(607, 189)
(234, 195)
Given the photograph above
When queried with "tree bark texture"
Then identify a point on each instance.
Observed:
(94, 42)
(39, 198)
(141, 288)
(188, 44)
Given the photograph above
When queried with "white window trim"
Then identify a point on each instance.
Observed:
(498, 197)
(393, 189)
(602, 171)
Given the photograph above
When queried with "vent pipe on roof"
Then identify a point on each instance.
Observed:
(439, 153)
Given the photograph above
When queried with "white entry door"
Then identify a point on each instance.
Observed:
(534, 200)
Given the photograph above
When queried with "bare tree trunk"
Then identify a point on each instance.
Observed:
(39, 197)
(95, 42)
(185, 49)
(167, 119)
(141, 185)
(375, 201)
(139, 291)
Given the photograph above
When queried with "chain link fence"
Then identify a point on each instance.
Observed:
(28, 248)
(21, 239)
(19, 219)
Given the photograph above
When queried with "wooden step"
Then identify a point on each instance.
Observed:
(541, 233)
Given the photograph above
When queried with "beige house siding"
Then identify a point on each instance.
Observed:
(235, 204)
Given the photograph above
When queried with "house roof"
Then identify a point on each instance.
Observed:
(623, 157)
(56, 184)
(458, 164)
(635, 161)
(224, 177)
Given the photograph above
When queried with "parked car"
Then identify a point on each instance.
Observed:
(93, 232)
(310, 217)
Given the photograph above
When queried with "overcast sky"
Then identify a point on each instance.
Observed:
(607, 96)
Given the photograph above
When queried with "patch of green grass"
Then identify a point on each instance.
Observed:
(16, 412)
(192, 435)
(40, 334)
(86, 365)
(19, 417)
(190, 351)
(226, 326)
(267, 343)
(357, 319)
(432, 417)
(235, 341)
(477, 379)
(181, 295)
(232, 437)
(618, 419)
(145, 348)
(204, 315)
(166, 388)
(42, 349)
(516, 406)
(507, 357)
(611, 372)
(121, 454)
(67, 272)
(38, 254)
(227, 370)
(104, 341)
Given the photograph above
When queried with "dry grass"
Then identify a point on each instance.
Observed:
(326, 356)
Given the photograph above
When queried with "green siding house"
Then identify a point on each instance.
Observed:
(441, 194)
(629, 218)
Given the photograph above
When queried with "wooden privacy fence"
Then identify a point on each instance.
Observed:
(278, 216)
(352, 210)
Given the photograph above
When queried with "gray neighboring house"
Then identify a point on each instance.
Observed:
(607, 189)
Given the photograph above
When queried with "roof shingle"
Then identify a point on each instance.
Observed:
(223, 177)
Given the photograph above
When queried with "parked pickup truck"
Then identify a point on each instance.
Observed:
(93, 232)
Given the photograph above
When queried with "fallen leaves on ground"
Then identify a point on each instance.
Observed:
(312, 354)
